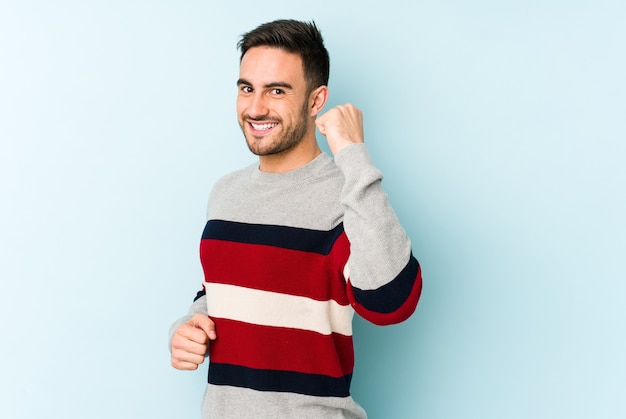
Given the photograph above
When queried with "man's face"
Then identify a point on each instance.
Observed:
(272, 103)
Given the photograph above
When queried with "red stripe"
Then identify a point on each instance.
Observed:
(282, 349)
(277, 269)
(397, 316)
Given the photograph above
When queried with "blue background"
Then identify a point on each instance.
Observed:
(500, 128)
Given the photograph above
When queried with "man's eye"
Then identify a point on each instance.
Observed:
(246, 89)
(277, 92)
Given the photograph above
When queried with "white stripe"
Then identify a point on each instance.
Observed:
(280, 310)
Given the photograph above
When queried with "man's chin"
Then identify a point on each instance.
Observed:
(255, 145)
(258, 150)
(268, 145)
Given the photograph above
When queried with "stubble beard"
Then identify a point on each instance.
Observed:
(286, 140)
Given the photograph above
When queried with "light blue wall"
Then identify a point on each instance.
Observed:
(500, 127)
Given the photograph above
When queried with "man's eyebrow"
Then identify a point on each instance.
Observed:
(271, 85)
(282, 84)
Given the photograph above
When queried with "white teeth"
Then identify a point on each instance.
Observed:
(263, 127)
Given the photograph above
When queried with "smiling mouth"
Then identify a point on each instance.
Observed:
(262, 126)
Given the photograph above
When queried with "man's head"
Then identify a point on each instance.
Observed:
(301, 38)
(282, 87)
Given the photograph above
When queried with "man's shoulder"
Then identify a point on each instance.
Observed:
(236, 176)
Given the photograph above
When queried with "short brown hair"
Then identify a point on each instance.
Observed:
(302, 38)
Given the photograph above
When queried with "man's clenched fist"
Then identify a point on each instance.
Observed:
(342, 126)
(190, 342)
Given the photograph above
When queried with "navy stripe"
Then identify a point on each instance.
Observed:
(283, 381)
(294, 238)
(199, 295)
(391, 296)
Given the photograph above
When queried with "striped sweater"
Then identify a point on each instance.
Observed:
(288, 258)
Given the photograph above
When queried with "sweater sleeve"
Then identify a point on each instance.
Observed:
(384, 279)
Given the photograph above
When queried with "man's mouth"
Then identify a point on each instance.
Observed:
(262, 126)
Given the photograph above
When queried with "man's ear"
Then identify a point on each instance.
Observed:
(318, 99)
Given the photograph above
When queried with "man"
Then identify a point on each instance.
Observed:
(293, 246)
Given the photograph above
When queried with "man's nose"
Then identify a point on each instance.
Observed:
(258, 106)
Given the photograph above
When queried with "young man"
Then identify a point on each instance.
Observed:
(293, 246)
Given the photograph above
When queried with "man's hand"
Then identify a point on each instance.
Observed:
(342, 126)
(190, 342)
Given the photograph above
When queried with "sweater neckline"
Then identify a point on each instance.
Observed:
(296, 175)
